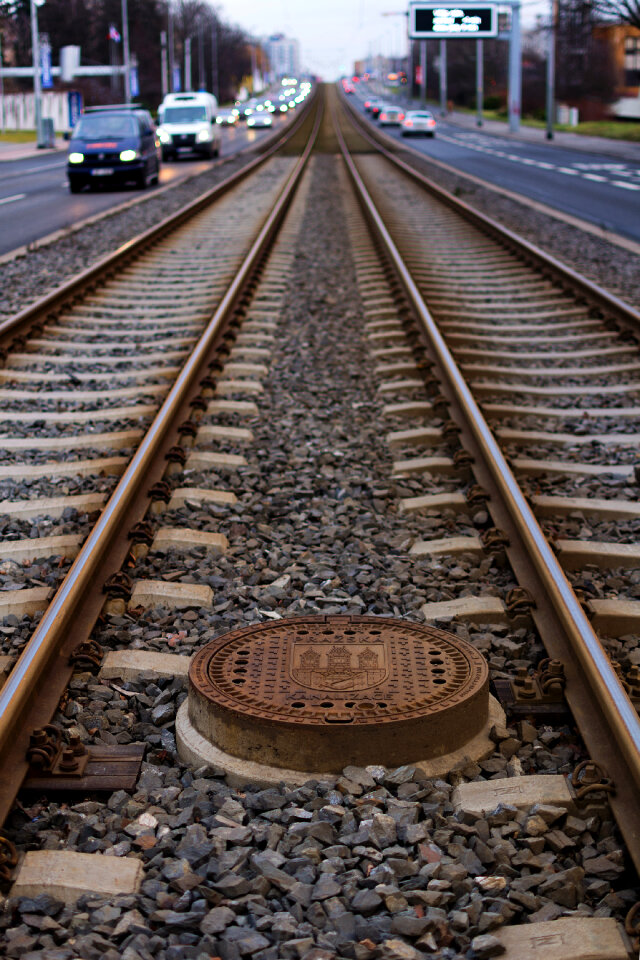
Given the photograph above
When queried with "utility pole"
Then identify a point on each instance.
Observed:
(479, 82)
(443, 78)
(37, 85)
(202, 83)
(187, 64)
(2, 116)
(423, 70)
(515, 70)
(163, 63)
(171, 53)
(125, 52)
(214, 56)
(551, 69)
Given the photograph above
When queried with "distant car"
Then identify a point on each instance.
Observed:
(260, 120)
(376, 107)
(113, 144)
(390, 117)
(419, 122)
(227, 117)
(367, 105)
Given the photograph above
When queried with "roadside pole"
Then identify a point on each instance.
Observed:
(37, 85)
(125, 52)
(479, 82)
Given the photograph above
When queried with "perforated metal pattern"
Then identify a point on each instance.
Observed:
(333, 670)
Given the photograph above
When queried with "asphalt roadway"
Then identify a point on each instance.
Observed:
(592, 179)
(34, 193)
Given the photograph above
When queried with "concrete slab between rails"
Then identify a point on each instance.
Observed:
(129, 664)
(560, 413)
(110, 441)
(222, 432)
(545, 506)
(476, 609)
(52, 506)
(184, 538)
(440, 466)
(557, 390)
(21, 551)
(400, 386)
(204, 460)
(225, 387)
(143, 411)
(568, 938)
(109, 466)
(23, 603)
(396, 334)
(197, 495)
(67, 875)
(392, 323)
(196, 751)
(397, 368)
(615, 618)
(251, 353)
(408, 408)
(244, 408)
(567, 439)
(391, 352)
(175, 596)
(243, 368)
(574, 554)
(478, 798)
(447, 546)
(435, 501)
(537, 467)
(414, 437)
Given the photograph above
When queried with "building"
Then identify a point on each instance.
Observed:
(623, 41)
(283, 54)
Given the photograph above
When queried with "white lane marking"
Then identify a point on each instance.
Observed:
(18, 196)
(43, 169)
(578, 170)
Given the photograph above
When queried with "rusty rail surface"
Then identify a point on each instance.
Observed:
(36, 683)
(605, 716)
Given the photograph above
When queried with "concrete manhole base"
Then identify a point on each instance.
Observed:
(308, 696)
(195, 750)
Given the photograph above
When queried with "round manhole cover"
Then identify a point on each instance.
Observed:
(317, 693)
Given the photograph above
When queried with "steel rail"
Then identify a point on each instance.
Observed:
(112, 262)
(600, 297)
(609, 698)
(33, 667)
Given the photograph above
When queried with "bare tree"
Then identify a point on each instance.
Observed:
(622, 11)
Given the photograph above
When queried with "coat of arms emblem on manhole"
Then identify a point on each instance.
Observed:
(338, 666)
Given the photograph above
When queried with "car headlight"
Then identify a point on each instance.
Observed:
(203, 136)
(251, 122)
(163, 135)
(76, 157)
(219, 120)
(128, 155)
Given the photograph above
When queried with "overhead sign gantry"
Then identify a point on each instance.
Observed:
(431, 21)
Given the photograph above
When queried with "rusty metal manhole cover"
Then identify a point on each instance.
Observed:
(316, 693)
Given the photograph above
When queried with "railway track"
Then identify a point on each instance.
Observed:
(280, 501)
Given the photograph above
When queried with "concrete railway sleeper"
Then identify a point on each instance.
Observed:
(328, 773)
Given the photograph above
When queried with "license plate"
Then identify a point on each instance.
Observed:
(102, 172)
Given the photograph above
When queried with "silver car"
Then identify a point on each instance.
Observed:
(419, 122)
(390, 117)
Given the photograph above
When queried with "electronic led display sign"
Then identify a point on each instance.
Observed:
(431, 20)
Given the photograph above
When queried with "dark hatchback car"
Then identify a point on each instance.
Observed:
(113, 145)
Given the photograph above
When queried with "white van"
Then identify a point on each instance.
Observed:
(187, 124)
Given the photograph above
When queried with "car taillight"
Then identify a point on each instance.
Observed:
(408, 123)
(401, 117)
(431, 123)
(383, 116)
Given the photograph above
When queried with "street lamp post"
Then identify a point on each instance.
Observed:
(551, 69)
(125, 52)
(37, 83)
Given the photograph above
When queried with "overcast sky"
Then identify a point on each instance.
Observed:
(332, 33)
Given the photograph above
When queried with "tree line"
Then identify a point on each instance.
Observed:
(221, 53)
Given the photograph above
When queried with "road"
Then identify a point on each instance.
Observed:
(35, 199)
(600, 189)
